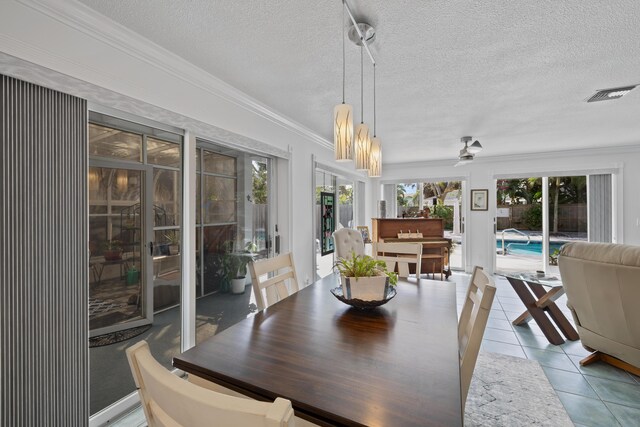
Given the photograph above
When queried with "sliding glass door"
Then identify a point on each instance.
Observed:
(135, 277)
(232, 229)
(136, 243)
(523, 241)
(519, 232)
(119, 289)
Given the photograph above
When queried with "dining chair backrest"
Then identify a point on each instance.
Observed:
(275, 287)
(472, 323)
(401, 254)
(170, 401)
(346, 241)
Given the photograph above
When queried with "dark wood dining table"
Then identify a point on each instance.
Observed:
(396, 365)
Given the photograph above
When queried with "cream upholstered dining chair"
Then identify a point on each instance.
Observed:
(275, 287)
(472, 323)
(401, 254)
(348, 240)
(169, 401)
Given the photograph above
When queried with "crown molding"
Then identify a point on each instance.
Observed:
(86, 20)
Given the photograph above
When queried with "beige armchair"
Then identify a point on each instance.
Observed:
(602, 283)
(347, 240)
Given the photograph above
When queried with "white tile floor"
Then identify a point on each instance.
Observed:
(596, 395)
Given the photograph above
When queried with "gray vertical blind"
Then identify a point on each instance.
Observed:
(600, 208)
(43, 257)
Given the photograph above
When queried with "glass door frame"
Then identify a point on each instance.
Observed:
(146, 276)
(272, 208)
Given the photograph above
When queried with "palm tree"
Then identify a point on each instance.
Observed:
(401, 193)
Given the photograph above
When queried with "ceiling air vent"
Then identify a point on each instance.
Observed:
(607, 94)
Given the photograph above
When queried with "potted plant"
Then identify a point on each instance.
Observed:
(112, 250)
(365, 278)
(174, 242)
(238, 271)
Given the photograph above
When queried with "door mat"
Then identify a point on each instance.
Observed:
(99, 306)
(118, 336)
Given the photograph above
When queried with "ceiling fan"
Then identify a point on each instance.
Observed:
(467, 153)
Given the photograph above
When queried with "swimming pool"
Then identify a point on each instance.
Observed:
(518, 247)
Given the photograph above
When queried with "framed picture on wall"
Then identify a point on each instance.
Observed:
(479, 200)
(364, 230)
(327, 225)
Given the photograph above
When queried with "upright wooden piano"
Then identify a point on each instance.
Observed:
(435, 247)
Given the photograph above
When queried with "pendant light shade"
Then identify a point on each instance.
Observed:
(94, 179)
(375, 148)
(343, 118)
(363, 147)
(122, 180)
(343, 132)
(375, 158)
(363, 140)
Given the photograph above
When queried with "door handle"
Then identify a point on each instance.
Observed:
(151, 248)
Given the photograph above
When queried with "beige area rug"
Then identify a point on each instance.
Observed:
(510, 391)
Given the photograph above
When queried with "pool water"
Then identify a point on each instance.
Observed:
(518, 247)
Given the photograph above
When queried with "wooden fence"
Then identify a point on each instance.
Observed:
(571, 217)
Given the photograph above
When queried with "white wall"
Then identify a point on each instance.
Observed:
(481, 174)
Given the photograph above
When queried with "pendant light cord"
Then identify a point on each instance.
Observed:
(374, 100)
(361, 86)
(343, 56)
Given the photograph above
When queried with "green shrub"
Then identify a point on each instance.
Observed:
(533, 217)
(444, 212)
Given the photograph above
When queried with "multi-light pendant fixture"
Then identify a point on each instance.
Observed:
(368, 151)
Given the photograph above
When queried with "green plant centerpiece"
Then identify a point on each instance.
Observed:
(365, 278)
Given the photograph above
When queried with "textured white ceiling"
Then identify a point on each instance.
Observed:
(514, 74)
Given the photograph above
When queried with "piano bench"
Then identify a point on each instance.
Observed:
(434, 258)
